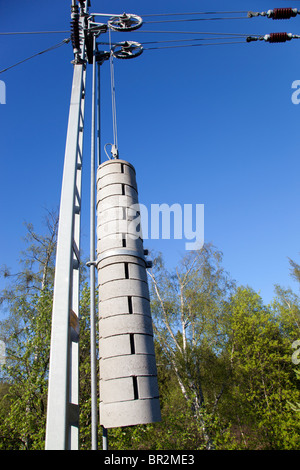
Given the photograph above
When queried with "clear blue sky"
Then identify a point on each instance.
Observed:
(208, 125)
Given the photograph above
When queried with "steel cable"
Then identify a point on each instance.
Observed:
(197, 13)
(195, 45)
(65, 41)
(32, 32)
(190, 32)
(177, 40)
(198, 19)
(113, 94)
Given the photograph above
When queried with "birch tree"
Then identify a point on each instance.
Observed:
(187, 309)
(27, 303)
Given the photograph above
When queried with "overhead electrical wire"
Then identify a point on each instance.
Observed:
(198, 19)
(197, 13)
(195, 45)
(190, 32)
(157, 15)
(65, 41)
(178, 40)
(214, 36)
(151, 22)
(32, 32)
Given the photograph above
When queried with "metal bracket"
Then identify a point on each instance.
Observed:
(91, 263)
(101, 56)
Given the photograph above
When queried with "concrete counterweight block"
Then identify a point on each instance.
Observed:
(128, 375)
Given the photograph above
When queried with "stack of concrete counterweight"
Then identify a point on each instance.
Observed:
(128, 374)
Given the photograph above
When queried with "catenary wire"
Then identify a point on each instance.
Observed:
(190, 32)
(195, 45)
(199, 19)
(147, 22)
(174, 32)
(65, 41)
(229, 35)
(196, 13)
(32, 32)
(177, 40)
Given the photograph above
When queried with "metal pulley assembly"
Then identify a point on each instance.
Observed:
(125, 22)
(127, 50)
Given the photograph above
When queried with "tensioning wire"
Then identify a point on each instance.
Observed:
(176, 40)
(195, 45)
(199, 19)
(65, 41)
(197, 13)
(141, 31)
(192, 32)
(33, 32)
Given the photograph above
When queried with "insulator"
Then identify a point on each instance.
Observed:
(128, 375)
(75, 33)
(283, 13)
(278, 37)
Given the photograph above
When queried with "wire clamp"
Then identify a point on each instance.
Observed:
(91, 263)
(114, 152)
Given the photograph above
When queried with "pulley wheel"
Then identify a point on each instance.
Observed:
(127, 50)
(125, 22)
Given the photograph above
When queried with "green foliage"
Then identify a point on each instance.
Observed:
(225, 369)
(263, 379)
(85, 371)
(26, 371)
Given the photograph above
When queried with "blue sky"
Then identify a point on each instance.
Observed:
(210, 125)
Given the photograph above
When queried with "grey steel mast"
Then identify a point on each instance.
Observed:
(62, 429)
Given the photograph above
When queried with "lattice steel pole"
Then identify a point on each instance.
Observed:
(63, 391)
